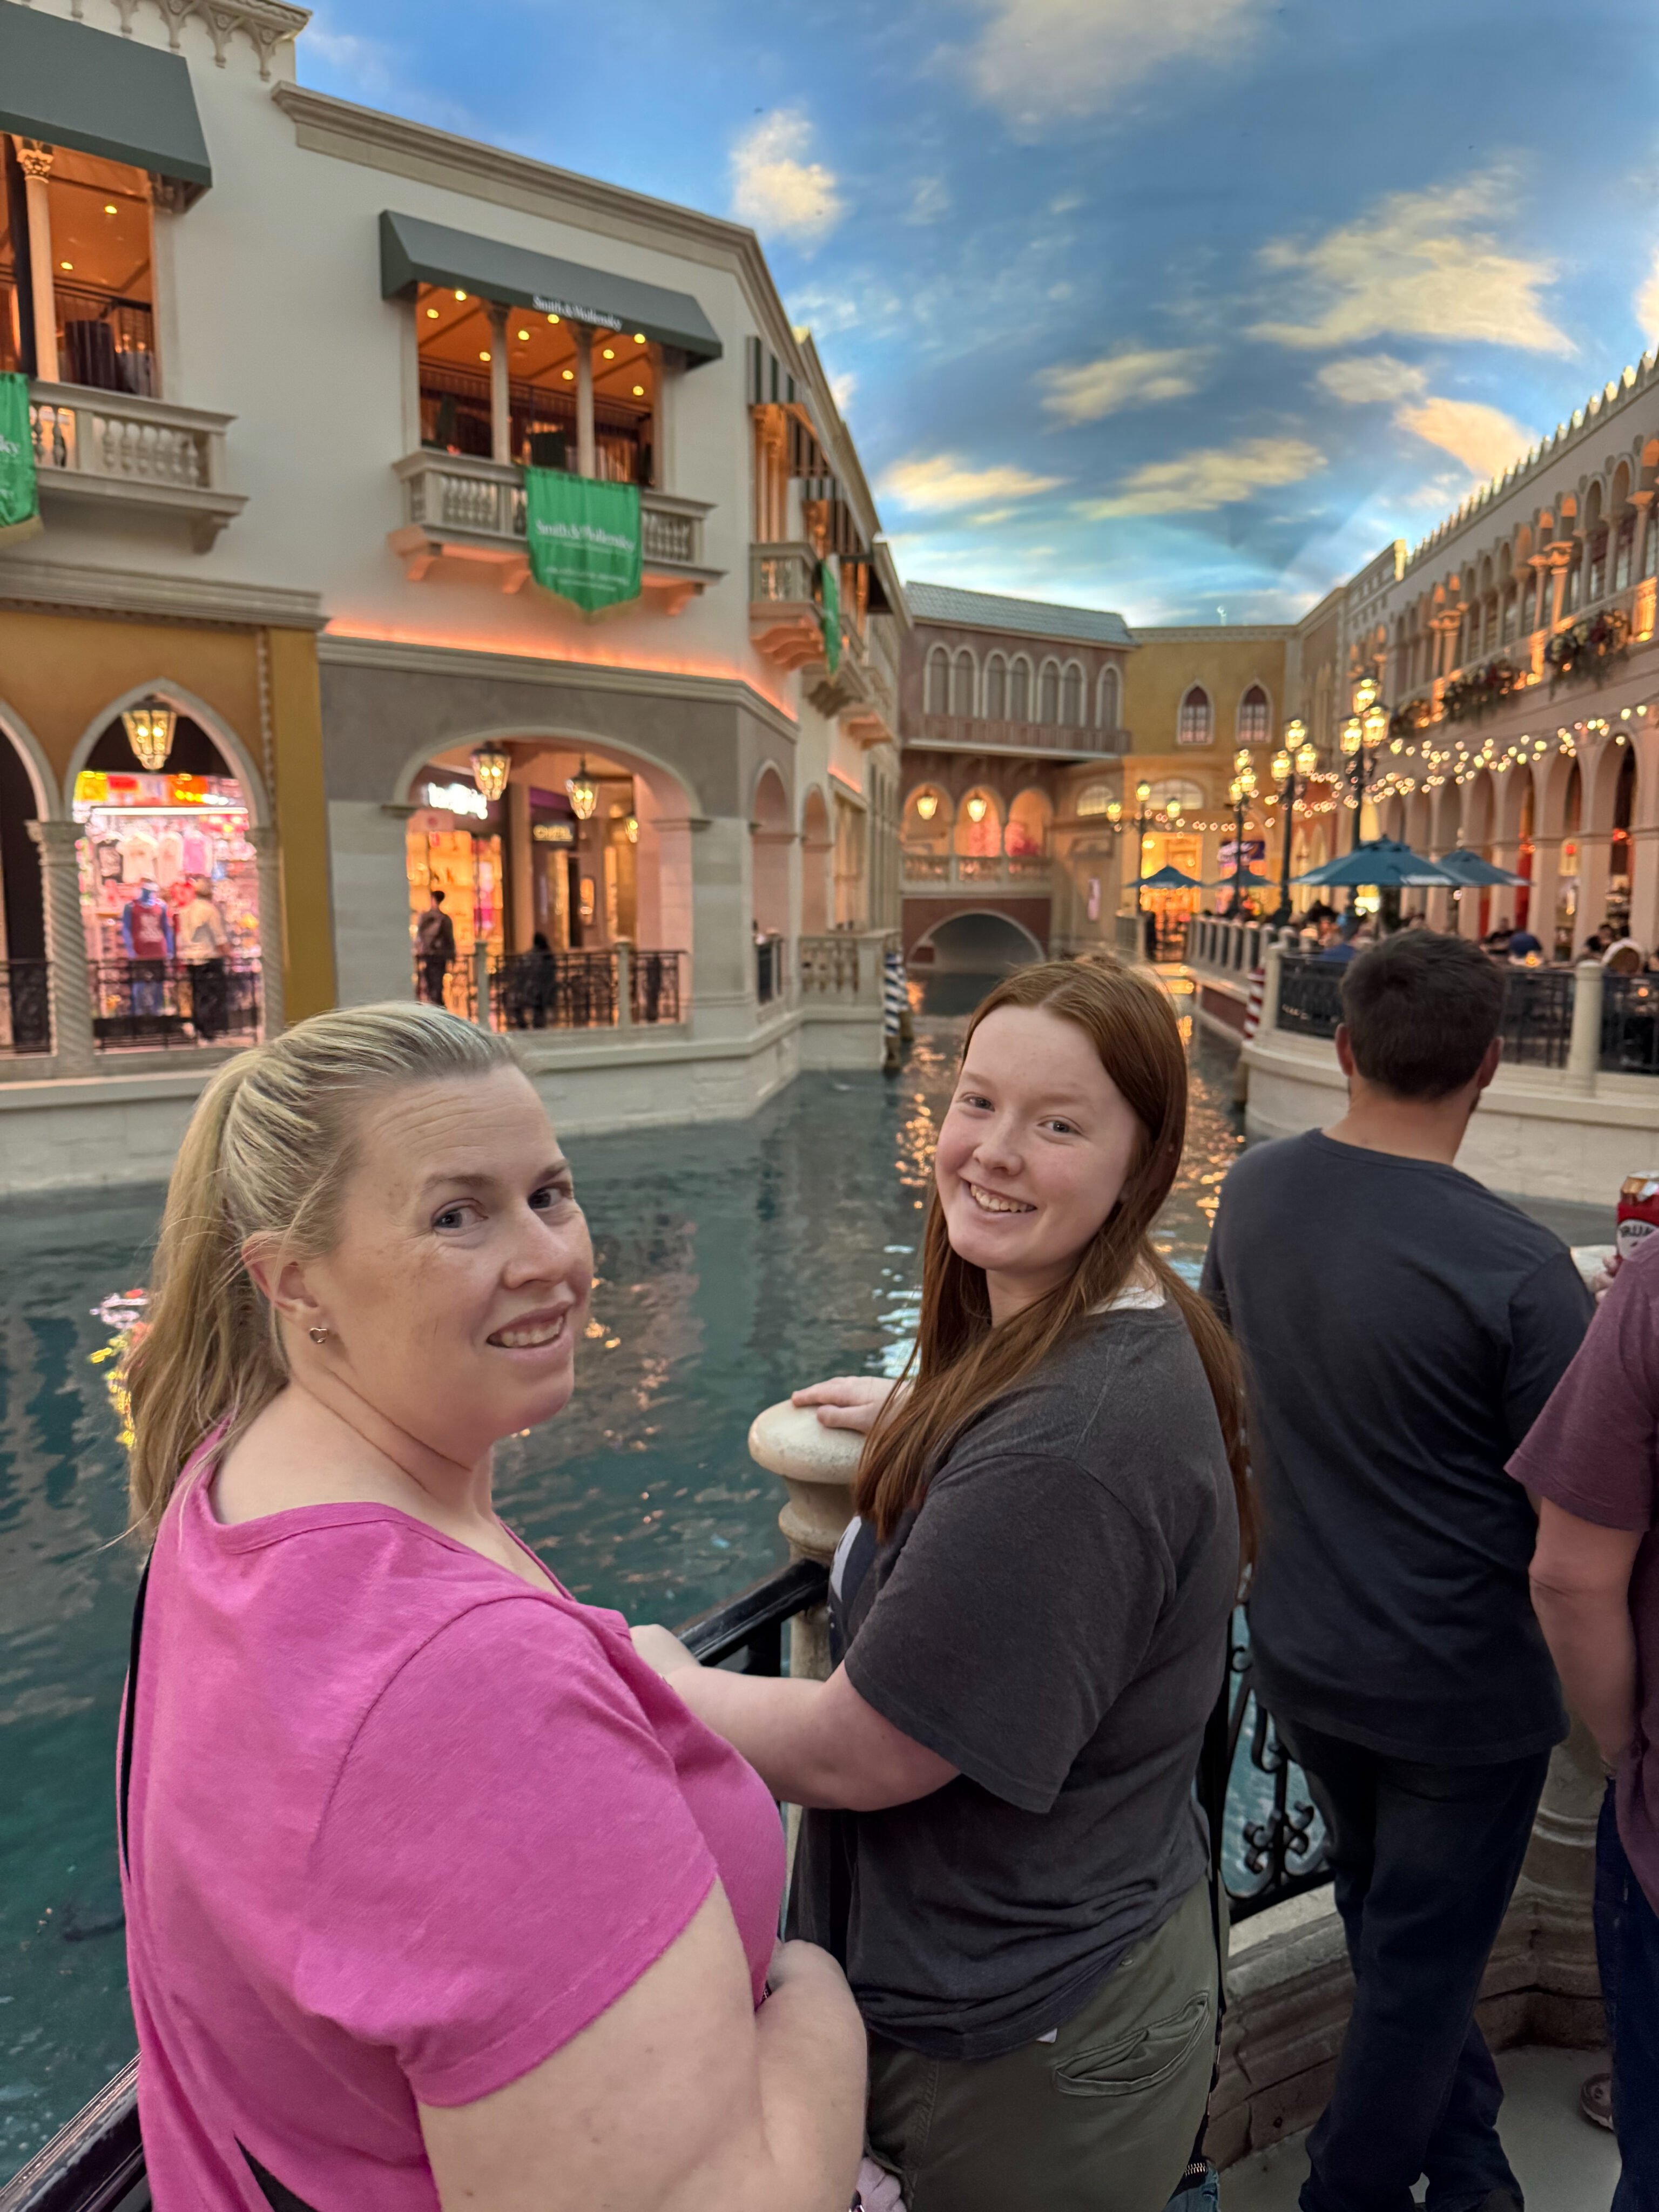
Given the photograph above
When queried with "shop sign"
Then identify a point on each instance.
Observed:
(19, 505)
(553, 833)
(584, 538)
(459, 798)
(600, 319)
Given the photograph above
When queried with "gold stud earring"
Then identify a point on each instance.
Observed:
(319, 1335)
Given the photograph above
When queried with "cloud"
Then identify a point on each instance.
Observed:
(943, 482)
(1041, 61)
(1414, 264)
(1647, 301)
(774, 188)
(1094, 388)
(842, 389)
(1208, 478)
(929, 200)
(1483, 439)
(1363, 377)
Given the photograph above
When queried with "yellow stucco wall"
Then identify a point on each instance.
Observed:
(62, 674)
(1163, 668)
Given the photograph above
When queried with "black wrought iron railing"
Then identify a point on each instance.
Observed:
(151, 1004)
(1272, 1842)
(1538, 1017)
(105, 341)
(1310, 996)
(1630, 1025)
(570, 990)
(25, 1007)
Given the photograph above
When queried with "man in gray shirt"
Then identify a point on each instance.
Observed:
(1401, 1328)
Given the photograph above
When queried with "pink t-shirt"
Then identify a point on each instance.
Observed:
(399, 1826)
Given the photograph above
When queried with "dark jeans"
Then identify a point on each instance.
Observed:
(1627, 1951)
(1425, 1858)
(434, 968)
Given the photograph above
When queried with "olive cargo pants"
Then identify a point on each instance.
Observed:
(1100, 2120)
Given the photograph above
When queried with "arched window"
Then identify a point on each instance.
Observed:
(1625, 554)
(1252, 716)
(996, 688)
(1070, 696)
(1019, 691)
(936, 692)
(1026, 837)
(1110, 692)
(1095, 798)
(962, 683)
(1049, 692)
(1196, 725)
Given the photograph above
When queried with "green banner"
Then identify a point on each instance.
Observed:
(584, 538)
(830, 614)
(20, 508)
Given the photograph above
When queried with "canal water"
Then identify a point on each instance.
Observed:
(735, 1261)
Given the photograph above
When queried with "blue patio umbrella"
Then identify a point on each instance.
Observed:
(1469, 868)
(1385, 863)
(1247, 880)
(1169, 880)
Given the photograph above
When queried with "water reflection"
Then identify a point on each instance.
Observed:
(735, 1261)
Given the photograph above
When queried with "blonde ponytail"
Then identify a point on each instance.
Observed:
(269, 1150)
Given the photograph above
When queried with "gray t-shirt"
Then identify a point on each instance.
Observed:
(1053, 1621)
(1402, 1327)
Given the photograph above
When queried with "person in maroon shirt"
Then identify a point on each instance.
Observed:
(1591, 1464)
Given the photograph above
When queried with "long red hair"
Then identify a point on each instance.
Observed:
(960, 1364)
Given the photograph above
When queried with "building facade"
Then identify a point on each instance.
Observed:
(1011, 716)
(288, 361)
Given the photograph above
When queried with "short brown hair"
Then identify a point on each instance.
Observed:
(1421, 1009)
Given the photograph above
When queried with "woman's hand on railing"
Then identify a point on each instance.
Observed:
(847, 1401)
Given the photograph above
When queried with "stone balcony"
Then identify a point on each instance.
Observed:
(140, 455)
(973, 733)
(783, 615)
(925, 873)
(457, 508)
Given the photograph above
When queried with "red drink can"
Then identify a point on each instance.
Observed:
(1638, 1213)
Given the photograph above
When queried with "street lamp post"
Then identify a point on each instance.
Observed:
(1115, 815)
(1240, 790)
(1293, 767)
(1362, 735)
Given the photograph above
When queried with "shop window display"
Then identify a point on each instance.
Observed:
(169, 901)
(455, 848)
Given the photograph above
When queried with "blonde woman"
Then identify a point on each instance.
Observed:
(436, 1895)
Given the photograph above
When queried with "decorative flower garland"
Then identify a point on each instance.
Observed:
(1587, 648)
(1467, 698)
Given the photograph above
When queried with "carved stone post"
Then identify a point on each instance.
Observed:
(35, 161)
(69, 980)
(268, 868)
(818, 1467)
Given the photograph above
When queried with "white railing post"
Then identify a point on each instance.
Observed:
(1585, 1043)
(818, 1467)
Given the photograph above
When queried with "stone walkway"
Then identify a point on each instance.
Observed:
(1562, 2163)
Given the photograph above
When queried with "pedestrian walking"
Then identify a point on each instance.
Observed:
(1030, 1616)
(1591, 1463)
(1402, 1327)
(434, 950)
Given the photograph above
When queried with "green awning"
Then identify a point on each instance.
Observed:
(414, 252)
(69, 85)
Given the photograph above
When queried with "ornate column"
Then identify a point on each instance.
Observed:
(272, 938)
(35, 161)
(586, 447)
(500, 409)
(68, 978)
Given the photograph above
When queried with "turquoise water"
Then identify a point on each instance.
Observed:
(736, 1261)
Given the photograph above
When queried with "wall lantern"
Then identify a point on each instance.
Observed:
(583, 794)
(926, 806)
(976, 807)
(491, 767)
(149, 732)
(631, 829)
